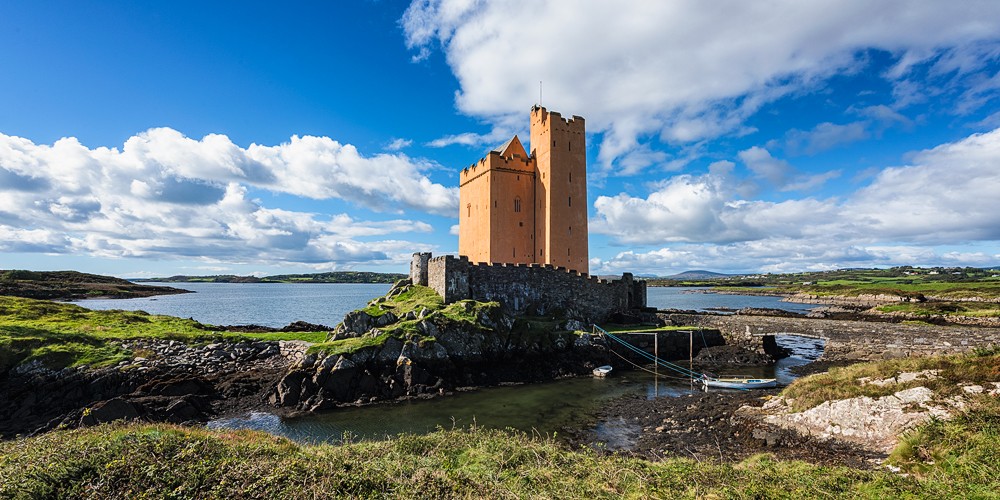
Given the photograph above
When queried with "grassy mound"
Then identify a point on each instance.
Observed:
(60, 335)
(979, 367)
(424, 303)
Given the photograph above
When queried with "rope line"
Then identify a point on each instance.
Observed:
(654, 359)
(623, 358)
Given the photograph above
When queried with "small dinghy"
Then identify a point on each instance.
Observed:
(602, 371)
(737, 382)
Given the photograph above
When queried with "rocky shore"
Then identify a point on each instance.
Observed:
(167, 381)
(709, 426)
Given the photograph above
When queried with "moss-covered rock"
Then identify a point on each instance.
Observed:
(409, 343)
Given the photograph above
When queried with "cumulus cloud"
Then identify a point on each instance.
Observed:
(946, 196)
(780, 173)
(690, 70)
(164, 195)
(399, 144)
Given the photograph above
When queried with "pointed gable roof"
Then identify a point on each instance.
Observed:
(511, 148)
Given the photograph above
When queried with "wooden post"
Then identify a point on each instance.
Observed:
(691, 356)
(656, 365)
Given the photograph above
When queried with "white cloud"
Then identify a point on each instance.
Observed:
(168, 196)
(779, 173)
(399, 144)
(687, 69)
(946, 196)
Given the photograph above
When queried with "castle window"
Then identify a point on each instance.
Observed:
(517, 204)
(571, 230)
(513, 253)
(570, 199)
(520, 224)
(541, 251)
(553, 143)
(571, 176)
(468, 209)
(494, 203)
(567, 252)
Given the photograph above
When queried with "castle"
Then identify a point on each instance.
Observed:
(522, 235)
(522, 208)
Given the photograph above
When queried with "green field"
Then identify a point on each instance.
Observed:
(60, 335)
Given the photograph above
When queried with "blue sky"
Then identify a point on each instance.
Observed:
(156, 138)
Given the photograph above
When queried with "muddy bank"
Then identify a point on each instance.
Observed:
(702, 426)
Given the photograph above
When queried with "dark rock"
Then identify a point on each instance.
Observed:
(109, 411)
(302, 326)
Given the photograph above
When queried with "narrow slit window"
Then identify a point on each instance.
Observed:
(517, 205)
(570, 200)
(468, 209)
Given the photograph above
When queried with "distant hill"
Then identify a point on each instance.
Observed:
(72, 285)
(331, 277)
(697, 275)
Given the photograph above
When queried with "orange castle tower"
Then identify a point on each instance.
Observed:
(525, 208)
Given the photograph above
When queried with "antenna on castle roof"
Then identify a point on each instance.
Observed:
(539, 93)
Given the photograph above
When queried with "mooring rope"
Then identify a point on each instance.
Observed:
(643, 368)
(654, 359)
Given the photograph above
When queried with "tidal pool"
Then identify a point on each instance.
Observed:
(545, 408)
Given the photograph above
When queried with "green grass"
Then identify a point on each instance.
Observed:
(60, 335)
(965, 448)
(980, 367)
(415, 298)
(972, 309)
(349, 345)
(163, 461)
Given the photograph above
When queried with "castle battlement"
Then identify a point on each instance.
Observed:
(533, 289)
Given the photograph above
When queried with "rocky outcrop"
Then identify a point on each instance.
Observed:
(441, 355)
(874, 423)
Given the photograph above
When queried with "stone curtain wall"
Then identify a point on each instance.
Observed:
(847, 340)
(532, 289)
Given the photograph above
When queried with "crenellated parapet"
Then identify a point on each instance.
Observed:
(532, 289)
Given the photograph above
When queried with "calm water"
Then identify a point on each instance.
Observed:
(694, 298)
(278, 304)
(267, 304)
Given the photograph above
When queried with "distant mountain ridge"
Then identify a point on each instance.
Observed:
(330, 277)
(697, 274)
